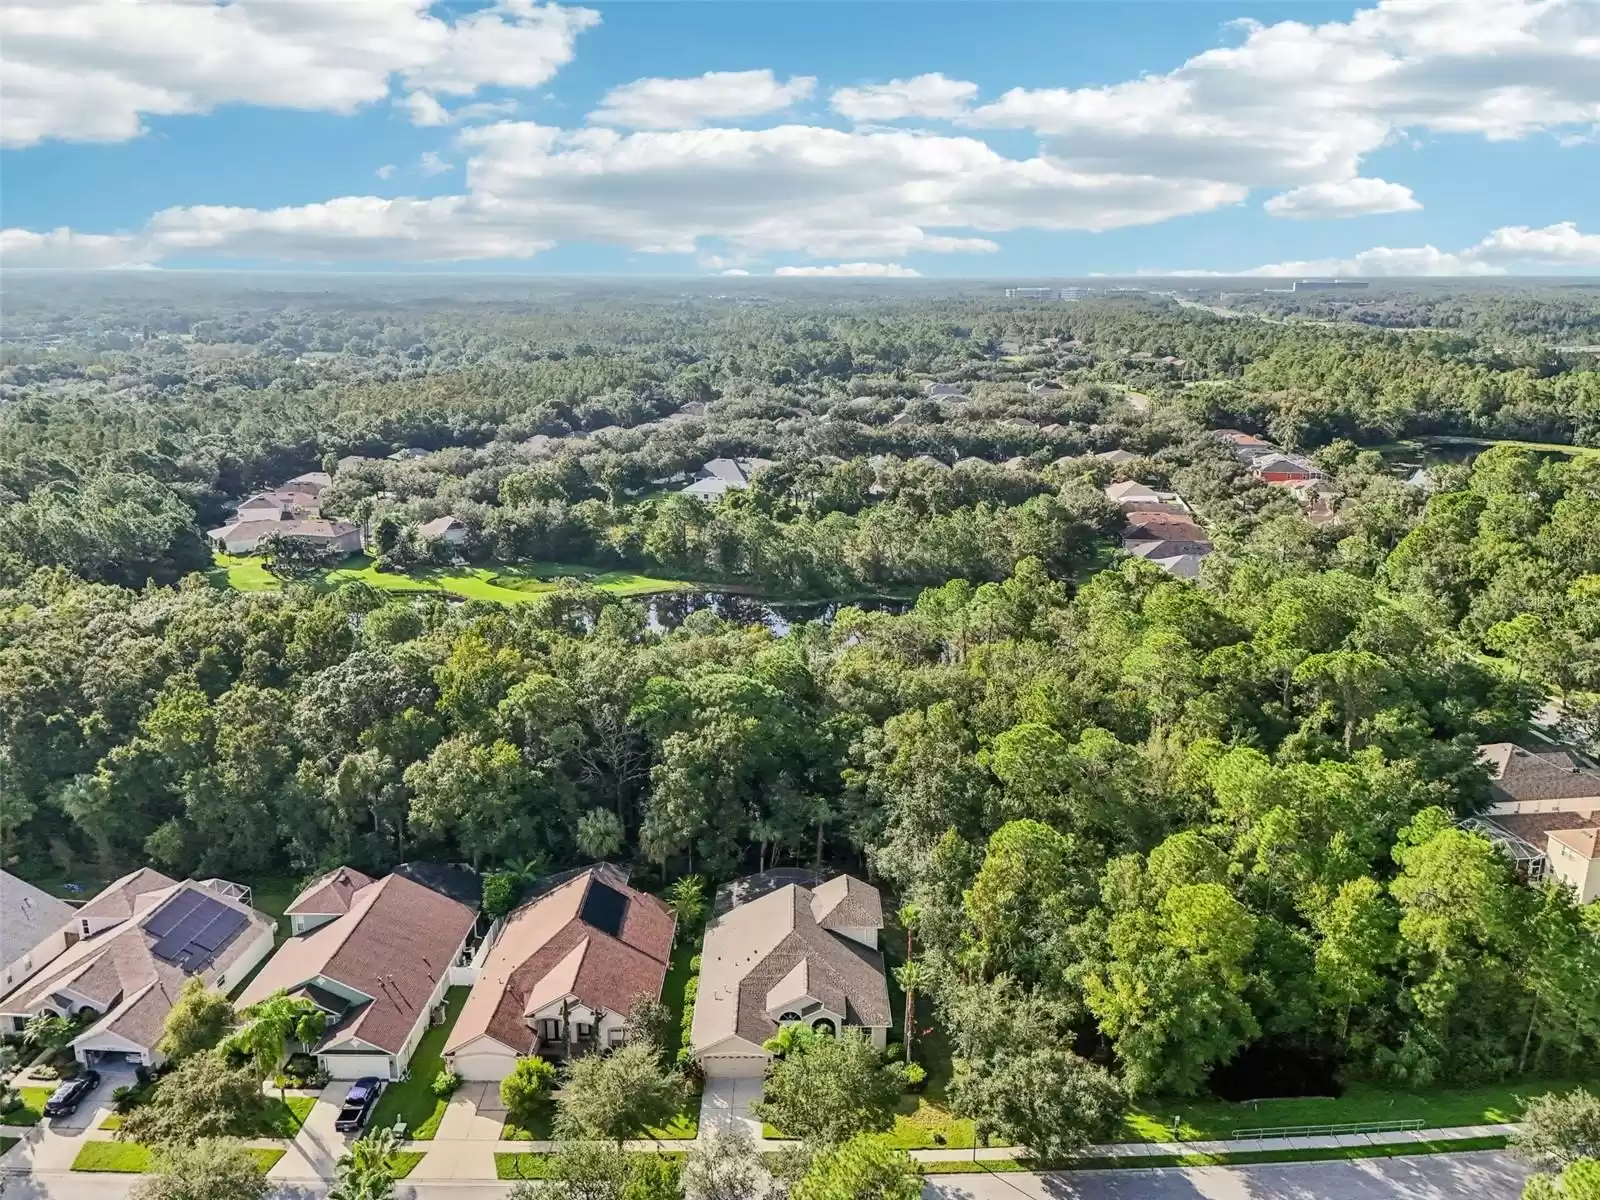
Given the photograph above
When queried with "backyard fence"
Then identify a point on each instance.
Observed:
(1294, 1131)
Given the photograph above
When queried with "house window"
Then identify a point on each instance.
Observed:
(585, 1030)
(790, 1016)
(615, 1037)
(85, 924)
(550, 1029)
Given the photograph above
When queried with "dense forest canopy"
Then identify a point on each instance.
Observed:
(1164, 822)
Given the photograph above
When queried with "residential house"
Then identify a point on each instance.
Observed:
(564, 974)
(1040, 386)
(34, 930)
(784, 949)
(1284, 468)
(1118, 455)
(901, 420)
(1017, 463)
(1021, 423)
(131, 949)
(408, 454)
(723, 475)
(446, 529)
(969, 461)
(1545, 807)
(351, 461)
(245, 537)
(376, 957)
(312, 483)
(1245, 445)
(944, 391)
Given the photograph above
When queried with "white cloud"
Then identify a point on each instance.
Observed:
(425, 110)
(1508, 248)
(734, 271)
(92, 69)
(1558, 245)
(855, 270)
(385, 172)
(432, 164)
(1296, 104)
(923, 96)
(1356, 197)
(689, 103)
(64, 248)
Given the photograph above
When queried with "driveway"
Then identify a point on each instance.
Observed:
(318, 1145)
(725, 1104)
(97, 1104)
(1481, 1175)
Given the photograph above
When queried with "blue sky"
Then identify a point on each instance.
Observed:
(945, 139)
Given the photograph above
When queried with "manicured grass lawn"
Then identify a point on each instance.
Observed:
(541, 1129)
(285, 1115)
(411, 1099)
(672, 989)
(32, 1110)
(537, 1166)
(134, 1159)
(403, 1162)
(1204, 1120)
(6, 1143)
(684, 1124)
(507, 584)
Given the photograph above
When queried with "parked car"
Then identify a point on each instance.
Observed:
(358, 1104)
(65, 1099)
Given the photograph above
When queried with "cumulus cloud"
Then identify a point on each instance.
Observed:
(689, 103)
(432, 164)
(93, 69)
(1508, 248)
(385, 172)
(62, 248)
(1343, 198)
(734, 271)
(855, 270)
(923, 96)
(1296, 104)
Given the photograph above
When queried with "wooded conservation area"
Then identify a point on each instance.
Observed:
(1176, 829)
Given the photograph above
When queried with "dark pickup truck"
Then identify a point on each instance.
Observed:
(358, 1104)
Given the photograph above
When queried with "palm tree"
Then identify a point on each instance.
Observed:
(787, 1040)
(273, 1024)
(909, 976)
(688, 900)
(366, 1170)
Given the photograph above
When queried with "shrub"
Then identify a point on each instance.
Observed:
(694, 965)
(893, 1053)
(916, 1076)
(526, 1089)
(445, 1084)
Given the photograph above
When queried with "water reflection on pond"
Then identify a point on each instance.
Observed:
(669, 609)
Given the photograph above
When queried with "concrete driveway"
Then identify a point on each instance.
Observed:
(97, 1105)
(1482, 1175)
(725, 1104)
(318, 1145)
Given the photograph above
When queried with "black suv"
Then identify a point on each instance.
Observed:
(65, 1099)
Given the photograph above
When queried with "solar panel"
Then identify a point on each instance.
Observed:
(204, 928)
(604, 908)
(171, 914)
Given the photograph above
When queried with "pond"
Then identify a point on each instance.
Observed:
(668, 610)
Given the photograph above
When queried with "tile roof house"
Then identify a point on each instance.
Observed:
(376, 956)
(133, 947)
(563, 975)
(1549, 801)
(33, 929)
(781, 951)
(723, 475)
(246, 536)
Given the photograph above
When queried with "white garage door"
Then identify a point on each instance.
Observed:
(734, 1066)
(482, 1068)
(358, 1066)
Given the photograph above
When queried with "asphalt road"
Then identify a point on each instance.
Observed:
(1482, 1175)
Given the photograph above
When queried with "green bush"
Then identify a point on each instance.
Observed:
(893, 1053)
(916, 1075)
(445, 1084)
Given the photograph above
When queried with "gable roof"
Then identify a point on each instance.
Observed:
(1130, 489)
(118, 969)
(846, 902)
(28, 915)
(328, 895)
(440, 526)
(752, 952)
(560, 944)
(1119, 455)
(1516, 773)
(398, 939)
(120, 898)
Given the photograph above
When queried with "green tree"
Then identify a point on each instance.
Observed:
(599, 833)
(910, 976)
(828, 1089)
(273, 1026)
(687, 896)
(198, 1020)
(366, 1170)
(1047, 1099)
(649, 1022)
(1578, 1181)
(1559, 1128)
(722, 1165)
(862, 1168)
(526, 1090)
(203, 1097)
(474, 792)
(205, 1168)
(616, 1096)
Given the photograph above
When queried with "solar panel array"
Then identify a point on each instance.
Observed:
(192, 927)
(604, 908)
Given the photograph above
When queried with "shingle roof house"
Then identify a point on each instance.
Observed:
(1523, 780)
(563, 974)
(789, 953)
(378, 968)
(33, 929)
(139, 941)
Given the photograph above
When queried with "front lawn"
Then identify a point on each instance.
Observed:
(284, 1116)
(684, 1125)
(6, 1143)
(1436, 1108)
(31, 1110)
(130, 1158)
(403, 1162)
(541, 1129)
(411, 1099)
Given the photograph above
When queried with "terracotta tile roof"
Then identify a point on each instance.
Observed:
(752, 952)
(547, 951)
(395, 943)
(1519, 774)
(330, 894)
